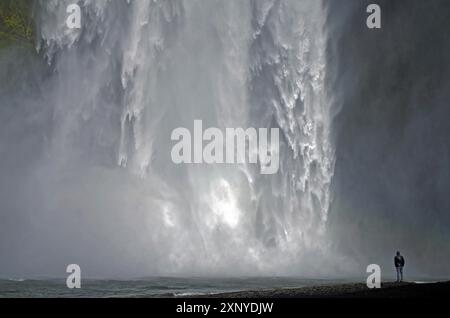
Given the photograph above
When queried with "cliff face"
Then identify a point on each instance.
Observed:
(16, 24)
(392, 180)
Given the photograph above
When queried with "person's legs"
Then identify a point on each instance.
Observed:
(401, 273)
(398, 273)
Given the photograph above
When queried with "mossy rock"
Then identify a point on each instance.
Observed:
(16, 23)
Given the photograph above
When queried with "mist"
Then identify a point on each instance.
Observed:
(86, 120)
(392, 134)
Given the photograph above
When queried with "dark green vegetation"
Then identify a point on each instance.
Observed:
(16, 23)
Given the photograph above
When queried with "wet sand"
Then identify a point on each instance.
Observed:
(387, 290)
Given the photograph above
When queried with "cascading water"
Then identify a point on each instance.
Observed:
(139, 69)
(85, 138)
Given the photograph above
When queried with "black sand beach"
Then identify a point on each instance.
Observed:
(388, 290)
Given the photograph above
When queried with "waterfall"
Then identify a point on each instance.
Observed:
(139, 69)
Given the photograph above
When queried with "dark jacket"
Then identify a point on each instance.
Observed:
(399, 261)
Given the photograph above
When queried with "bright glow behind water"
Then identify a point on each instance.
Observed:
(138, 70)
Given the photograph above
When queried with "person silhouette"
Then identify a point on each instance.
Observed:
(399, 262)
